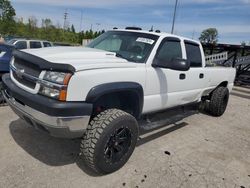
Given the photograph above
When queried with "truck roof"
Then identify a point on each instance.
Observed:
(160, 34)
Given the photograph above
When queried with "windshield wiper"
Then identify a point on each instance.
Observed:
(119, 55)
(128, 59)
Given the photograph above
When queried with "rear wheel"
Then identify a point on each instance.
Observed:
(218, 102)
(109, 141)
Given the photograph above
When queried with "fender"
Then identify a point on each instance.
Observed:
(98, 91)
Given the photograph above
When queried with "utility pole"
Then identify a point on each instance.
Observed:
(65, 19)
(81, 21)
(175, 8)
(98, 24)
(193, 34)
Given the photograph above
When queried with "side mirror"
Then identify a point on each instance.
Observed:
(178, 64)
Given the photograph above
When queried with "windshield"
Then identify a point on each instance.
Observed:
(132, 46)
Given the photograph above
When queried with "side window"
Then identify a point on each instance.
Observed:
(193, 54)
(21, 45)
(46, 44)
(35, 44)
(169, 50)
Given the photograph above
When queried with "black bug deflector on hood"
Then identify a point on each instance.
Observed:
(42, 63)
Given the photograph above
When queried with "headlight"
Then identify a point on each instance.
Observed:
(54, 85)
(56, 77)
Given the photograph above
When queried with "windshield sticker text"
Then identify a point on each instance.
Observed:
(145, 40)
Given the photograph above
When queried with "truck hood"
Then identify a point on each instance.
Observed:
(81, 58)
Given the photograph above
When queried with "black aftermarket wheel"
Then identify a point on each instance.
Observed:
(109, 141)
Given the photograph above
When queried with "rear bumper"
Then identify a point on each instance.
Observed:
(62, 120)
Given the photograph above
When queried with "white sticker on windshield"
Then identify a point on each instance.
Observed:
(145, 40)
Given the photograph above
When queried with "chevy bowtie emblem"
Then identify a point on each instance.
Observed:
(20, 73)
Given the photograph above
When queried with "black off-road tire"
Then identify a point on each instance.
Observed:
(218, 102)
(101, 136)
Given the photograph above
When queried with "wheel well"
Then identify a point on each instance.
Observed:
(223, 84)
(210, 92)
(127, 101)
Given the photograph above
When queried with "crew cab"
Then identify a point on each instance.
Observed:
(98, 93)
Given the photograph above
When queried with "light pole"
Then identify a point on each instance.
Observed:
(175, 8)
(81, 20)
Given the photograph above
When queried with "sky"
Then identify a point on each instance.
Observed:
(230, 17)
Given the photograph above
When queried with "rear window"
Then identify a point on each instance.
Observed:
(47, 44)
(35, 44)
(193, 54)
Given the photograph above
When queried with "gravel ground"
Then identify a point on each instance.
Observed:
(198, 151)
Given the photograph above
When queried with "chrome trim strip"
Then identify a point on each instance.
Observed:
(37, 80)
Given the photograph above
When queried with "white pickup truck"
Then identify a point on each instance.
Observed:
(99, 92)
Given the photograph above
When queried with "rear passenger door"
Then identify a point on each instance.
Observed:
(194, 56)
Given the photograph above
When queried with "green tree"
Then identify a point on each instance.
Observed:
(46, 23)
(48, 31)
(209, 35)
(243, 43)
(7, 13)
(73, 29)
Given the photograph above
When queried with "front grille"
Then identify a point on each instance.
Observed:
(27, 68)
(24, 81)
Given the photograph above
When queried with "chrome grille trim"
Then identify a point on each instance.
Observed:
(37, 80)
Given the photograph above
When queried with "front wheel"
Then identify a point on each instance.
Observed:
(109, 141)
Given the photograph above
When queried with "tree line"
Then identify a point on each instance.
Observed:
(12, 26)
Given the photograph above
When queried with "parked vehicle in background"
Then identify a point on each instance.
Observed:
(6, 53)
(21, 44)
(5, 57)
(98, 93)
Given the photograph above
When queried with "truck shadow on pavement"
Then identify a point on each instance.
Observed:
(48, 150)
(59, 152)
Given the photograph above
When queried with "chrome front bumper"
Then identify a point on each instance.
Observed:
(62, 127)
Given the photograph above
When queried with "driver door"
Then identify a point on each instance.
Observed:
(167, 88)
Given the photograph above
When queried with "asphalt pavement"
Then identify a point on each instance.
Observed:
(196, 151)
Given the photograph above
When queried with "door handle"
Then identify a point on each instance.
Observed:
(201, 76)
(182, 76)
